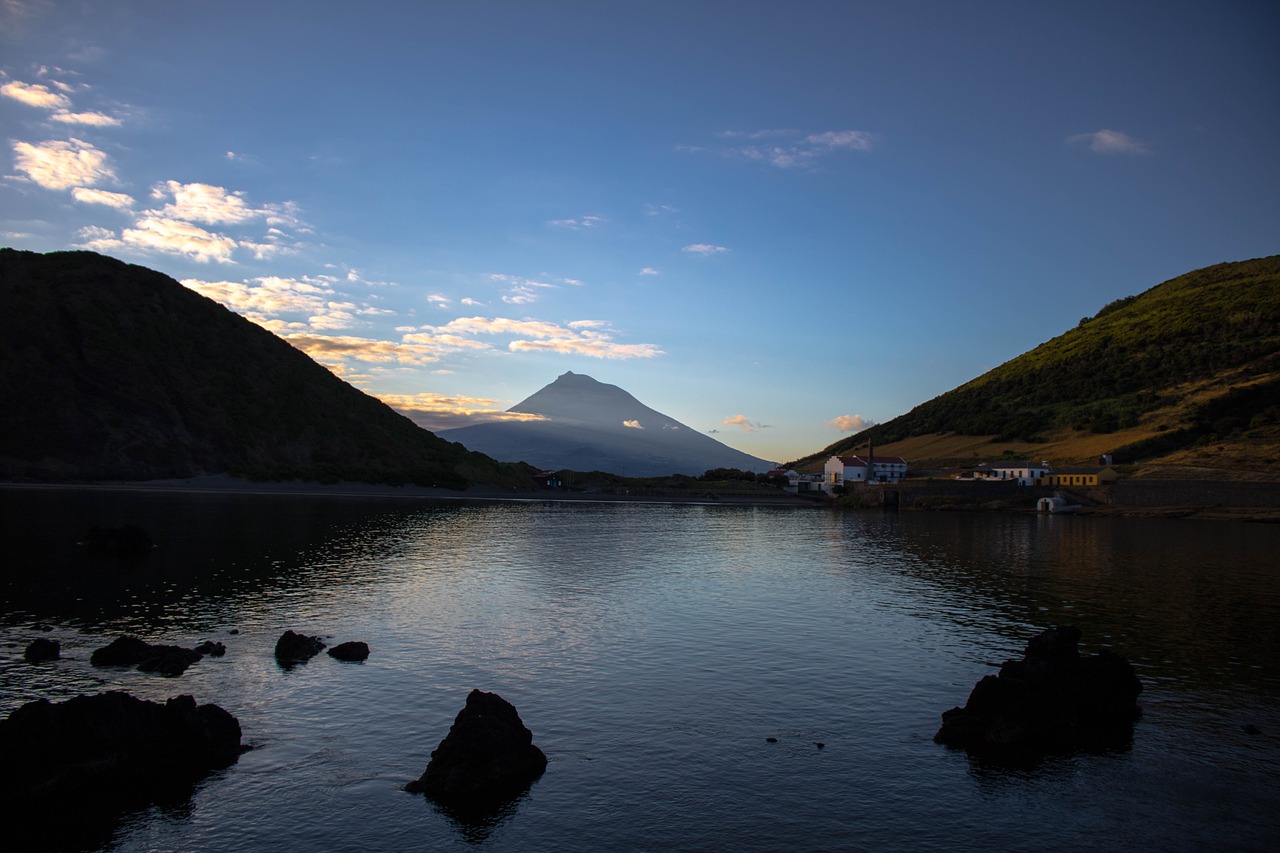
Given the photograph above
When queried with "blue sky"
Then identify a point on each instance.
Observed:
(771, 221)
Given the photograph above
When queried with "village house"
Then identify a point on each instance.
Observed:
(1086, 476)
(1023, 471)
(848, 470)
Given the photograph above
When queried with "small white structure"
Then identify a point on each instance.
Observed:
(848, 470)
(1057, 503)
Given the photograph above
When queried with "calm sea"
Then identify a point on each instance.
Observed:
(652, 649)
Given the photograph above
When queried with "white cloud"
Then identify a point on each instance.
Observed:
(471, 303)
(580, 224)
(704, 249)
(1108, 142)
(592, 338)
(850, 423)
(120, 201)
(743, 422)
(265, 297)
(35, 95)
(633, 424)
(61, 165)
(443, 411)
(204, 203)
(649, 271)
(439, 300)
(790, 148)
(90, 119)
(158, 234)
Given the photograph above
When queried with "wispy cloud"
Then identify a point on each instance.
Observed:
(593, 338)
(1108, 142)
(35, 95)
(522, 291)
(445, 411)
(582, 223)
(62, 164)
(786, 149)
(744, 423)
(120, 201)
(649, 271)
(704, 249)
(173, 236)
(850, 423)
(89, 119)
(204, 203)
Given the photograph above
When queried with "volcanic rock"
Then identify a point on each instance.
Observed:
(294, 648)
(487, 757)
(122, 651)
(353, 651)
(1052, 700)
(209, 647)
(42, 649)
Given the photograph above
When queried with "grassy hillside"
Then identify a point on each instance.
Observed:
(1183, 377)
(114, 371)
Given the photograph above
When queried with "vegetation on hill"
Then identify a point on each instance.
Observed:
(114, 371)
(1192, 362)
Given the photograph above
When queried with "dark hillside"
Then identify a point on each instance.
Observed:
(1203, 349)
(114, 371)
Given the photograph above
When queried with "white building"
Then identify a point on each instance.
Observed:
(850, 470)
(1023, 471)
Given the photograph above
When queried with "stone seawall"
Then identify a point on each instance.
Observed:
(1124, 493)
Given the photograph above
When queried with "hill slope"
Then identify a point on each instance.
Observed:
(591, 426)
(114, 371)
(1190, 364)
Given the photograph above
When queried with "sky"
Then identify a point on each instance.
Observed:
(777, 222)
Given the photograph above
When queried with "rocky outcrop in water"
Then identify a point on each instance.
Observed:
(131, 651)
(96, 748)
(353, 651)
(293, 648)
(487, 757)
(42, 649)
(1052, 700)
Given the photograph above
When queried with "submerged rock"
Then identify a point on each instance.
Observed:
(209, 647)
(42, 649)
(487, 757)
(122, 651)
(353, 651)
(112, 745)
(131, 651)
(1051, 700)
(294, 648)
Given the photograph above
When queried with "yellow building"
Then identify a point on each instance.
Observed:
(1093, 476)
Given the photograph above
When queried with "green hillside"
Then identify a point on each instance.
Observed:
(114, 371)
(1189, 362)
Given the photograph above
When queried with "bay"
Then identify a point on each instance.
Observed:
(652, 649)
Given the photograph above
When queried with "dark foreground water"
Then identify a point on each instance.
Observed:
(652, 650)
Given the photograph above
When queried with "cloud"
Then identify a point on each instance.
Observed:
(61, 165)
(1108, 142)
(850, 423)
(442, 411)
(439, 300)
(471, 303)
(120, 201)
(580, 224)
(632, 424)
(591, 338)
(154, 233)
(789, 148)
(522, 291)
(649, 271)
(204, 203)
(744, 423)
(704, 249)
(651, 209)
(35, 95)
(89, 119)
(266, 297)
(336, 351)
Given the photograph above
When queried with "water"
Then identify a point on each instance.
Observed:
(652, 650)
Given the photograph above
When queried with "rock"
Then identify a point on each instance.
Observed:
(122, 651)
(1052, 700)
(294, 648)
(130, 651)
(209, 647)
(42, 649)
(127, 541)
(354, 651)
(487, 757)
(91, 754)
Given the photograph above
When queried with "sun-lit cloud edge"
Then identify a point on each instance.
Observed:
(438, 412)
(850, 423)
(1108, 142)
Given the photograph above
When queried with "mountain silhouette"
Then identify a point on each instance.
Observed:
(588, 425)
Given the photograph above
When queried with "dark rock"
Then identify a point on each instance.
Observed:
(487, 758)
(294, 648)
(353, 651)
(234, 631)
(42, 649)
(127, 541)
(96, 754)
(209, 647)
(122, 651)
(130, 651)
(168, 660)
(771, 740)
(1050, 701)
